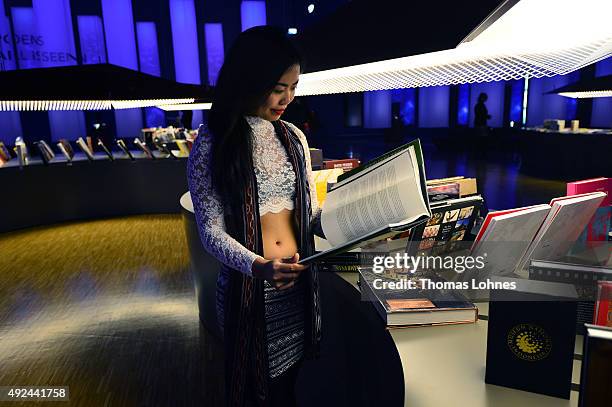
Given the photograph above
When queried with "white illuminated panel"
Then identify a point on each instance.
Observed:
(131, 104)
(585, 95)
(45, 105)
(186, 106)
(535, 38)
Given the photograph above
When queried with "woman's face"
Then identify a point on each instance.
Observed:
(280, 97)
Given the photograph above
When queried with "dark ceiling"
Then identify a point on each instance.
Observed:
(364, 31)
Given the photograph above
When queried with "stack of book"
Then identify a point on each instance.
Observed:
(417, 306)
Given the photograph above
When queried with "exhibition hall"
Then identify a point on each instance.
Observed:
(306, 203)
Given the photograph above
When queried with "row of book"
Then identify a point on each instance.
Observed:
(89, 147)
(527, 242)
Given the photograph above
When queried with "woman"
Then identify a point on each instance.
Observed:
(250, 186)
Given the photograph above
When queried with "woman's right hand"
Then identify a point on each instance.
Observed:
(280, 273)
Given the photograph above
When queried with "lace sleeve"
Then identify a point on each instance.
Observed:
(315, 219)
(209, 211)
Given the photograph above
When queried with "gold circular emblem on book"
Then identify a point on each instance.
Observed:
(529, 342)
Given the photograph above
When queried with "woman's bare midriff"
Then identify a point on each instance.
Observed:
(278, 232)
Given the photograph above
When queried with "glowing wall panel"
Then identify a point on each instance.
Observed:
(214, 50)
(433, 106)
(542, 106)
(377, 109)
(148, 56)
(121, 50)
(252, 13)
(91, 33)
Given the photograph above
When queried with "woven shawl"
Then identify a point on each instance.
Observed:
(246, 360)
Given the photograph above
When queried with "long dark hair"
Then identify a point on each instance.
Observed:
(252, 67)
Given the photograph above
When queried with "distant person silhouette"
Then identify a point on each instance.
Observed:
(481, 114)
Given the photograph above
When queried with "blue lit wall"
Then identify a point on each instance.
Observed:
(213, 32)
(252, 13)
(7, 53)
(495, 103)
(602, 107)
(463, 105)
(407, 100)
(10, 122)
(148, 56)
(541, 106)
(91, 33)
(121, 50)
(119, 33)
(433, 106)
(54, 24)
(28, 42)
(185, 41)
(516, 101)
(377, 109)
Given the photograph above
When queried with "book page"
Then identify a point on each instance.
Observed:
(389, 193)
(559, 231)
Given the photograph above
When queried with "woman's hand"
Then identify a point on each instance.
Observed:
(280, 273)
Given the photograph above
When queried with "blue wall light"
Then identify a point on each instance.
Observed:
(252, 13)
(214, 50)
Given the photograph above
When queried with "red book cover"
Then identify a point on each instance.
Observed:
(346, 164)
(601, 184)
(603, 307)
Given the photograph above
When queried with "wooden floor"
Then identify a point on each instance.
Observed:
(108, 309)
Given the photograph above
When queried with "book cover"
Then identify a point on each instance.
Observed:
(346, 164)
(5, 155)
(603, 305)
(123, 147)
(68, 148)
(530, 342)
(415, 306)
(101, 144)
(595, 388)
(144, 149)
(561, 228)
(451, 222)
(443, 192)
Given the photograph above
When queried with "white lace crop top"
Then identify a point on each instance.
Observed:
(275, 184)
(273, 170)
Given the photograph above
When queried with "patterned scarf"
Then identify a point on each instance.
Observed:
(244, 326)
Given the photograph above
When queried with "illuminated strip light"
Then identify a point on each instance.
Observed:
(500, 53)
(585, 95)
(450, 67)
(50, 105)
(131, 104)
(190, 106)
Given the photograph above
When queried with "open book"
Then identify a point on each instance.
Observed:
(511, 238)
(383, 197)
